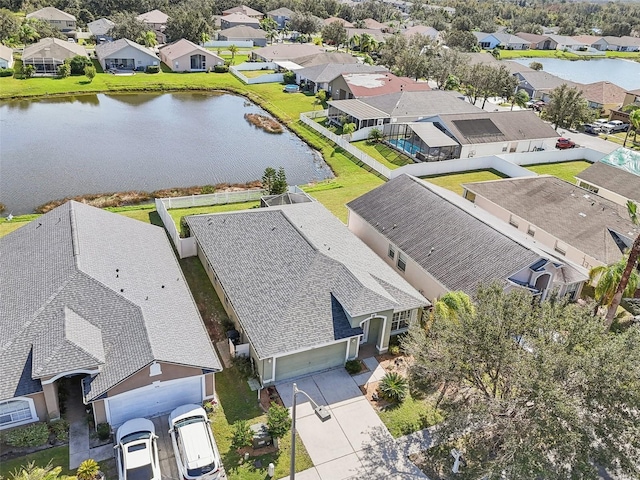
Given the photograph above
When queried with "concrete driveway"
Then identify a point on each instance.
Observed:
(168, 467)
(353, 443)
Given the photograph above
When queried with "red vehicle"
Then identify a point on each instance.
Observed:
(564, 143)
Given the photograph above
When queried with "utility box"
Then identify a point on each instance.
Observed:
(261, 437)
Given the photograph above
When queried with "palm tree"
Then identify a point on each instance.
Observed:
(367, 43)
(149, 39)
(627, 282)
(348, 129)
(520, 98)
(354, 41)
(272, 35)
(605, 280)
(204, 37)
(233, 49)
(634, 121)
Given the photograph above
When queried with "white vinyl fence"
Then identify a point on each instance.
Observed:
(186, 247)
(307, 119)
(228, 43)
(252, 67)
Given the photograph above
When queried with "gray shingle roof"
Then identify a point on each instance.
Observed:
(100, 26)
(330, 71)
(457, 249)
(242, 31)
(283, 268)
(573, 215)
(541, 80)
(78, 266)
(107, 49)
(423, 104)
(51, 13)
(611, 178)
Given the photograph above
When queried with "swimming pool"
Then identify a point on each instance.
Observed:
(405, 145)
(291, 88)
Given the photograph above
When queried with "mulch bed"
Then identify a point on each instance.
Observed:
(256, 452)
(370, 391)
(268, 395)
(394, 363)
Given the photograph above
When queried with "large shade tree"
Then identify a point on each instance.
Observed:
(567, 108)
(531, 390)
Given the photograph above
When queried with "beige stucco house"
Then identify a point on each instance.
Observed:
(49, 53)
(98, 301)
(6, 57)
(615, 177)
(303, 291)
(63, 21)
(123, 54)
(186, 56)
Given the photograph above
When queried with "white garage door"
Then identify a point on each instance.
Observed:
(302, 363)
(153, 400)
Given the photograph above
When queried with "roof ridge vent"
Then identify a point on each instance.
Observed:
(75, 243)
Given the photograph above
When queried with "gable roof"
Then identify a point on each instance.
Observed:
(281, 12)
(489, 127)
(625, 41)
(371, 84)
(541, 80)
(421, 30)
(323, 58)
(532, 37)
(53, 48)
(51, 13)
(244, 10)
(100, 26)
(292, 272)
(614, 179)
(243, 31)
(377, 35)
(330, 20)
(458, 249)
(604, 93)
(240, 18)
(373, 24)
(286, 51)
(6, 53)
(586, 39)
(508, 39)
(153, 16)
(565, 40)
(422, 103)
(183, 47)
(108, 49)
(329, 71)
(575, 216)
(82, 288)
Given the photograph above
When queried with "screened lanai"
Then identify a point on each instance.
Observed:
(422, 140)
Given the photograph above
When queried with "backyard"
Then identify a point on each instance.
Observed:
(563, 170)
(383, 153)
(454, 181)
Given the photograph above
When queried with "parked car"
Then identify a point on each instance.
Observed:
(564, 143)
(615, 126)
(137, 451)
(195, 448)
(539, 106)
(592, 128)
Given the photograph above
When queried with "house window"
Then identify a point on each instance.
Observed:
(16, 411)
(402, 261)
(400, 320)
(392, 252)
(513, 221)
(561, 248)
(572, 290)
(531, 231)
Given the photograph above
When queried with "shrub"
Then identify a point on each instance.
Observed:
(221, 68)
(29, 436)
(353, 366)
(78, 63)
(394, 387)
(6, 72)
(90, 72)
(153, 69)
(289, 78)
(64, 70)
(28, 71)
(394, 349)
(375, 135)
(104, 431)
(243, 364)
(88, 470)
(278, 420)
(60, 428)
(242, 434)
(210, 406)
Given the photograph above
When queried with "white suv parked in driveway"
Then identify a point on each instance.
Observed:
(195, 449)
(137, 451)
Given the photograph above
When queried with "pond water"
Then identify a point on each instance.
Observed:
(624, 73)
(54, 148)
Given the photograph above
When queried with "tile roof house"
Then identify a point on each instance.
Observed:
(63, 21)
(358, 85)
(242, 33)
(101, 297)
(603, 96)
(49, 53)
(318, 77)
(303, 291)
(440, 243)
(581, 226)
(237, 19)
(243, 9)
(100, 29)
(185, 56)
(123, 54)
(6, 56)
(612, 180)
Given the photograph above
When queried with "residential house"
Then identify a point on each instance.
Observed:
(378, 35)
(325, 58)
(123, 54)
(398, 108)
(318, 77)
(439, 243)
(631, 97)
(98, 302)
(303, 291)
(489, 41)
(567, 43)
(465, 135)
(244, 10)
(330, 20)
(592, 41)
(538, 42)
(586, 229)
(615, 177)
(49, 53)
(539, 84)
(618, 44)
(6, 56)
(430, 32)
(242, 33)
(281, 16)
(186, 56)
(156, 20)
(238, 19)
(285, 51)
(358, 85)
(603, 96)
(63, 21)
(372, 24)
(101, 29)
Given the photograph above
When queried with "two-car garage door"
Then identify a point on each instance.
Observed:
(153, 400)
(309, 361)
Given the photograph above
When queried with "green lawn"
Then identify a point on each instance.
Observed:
(256, 73)
(410, 416)
(508, 54)
(383, 153)
(454, 181)
(58, 456)
(563, 170)
(178, 213)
